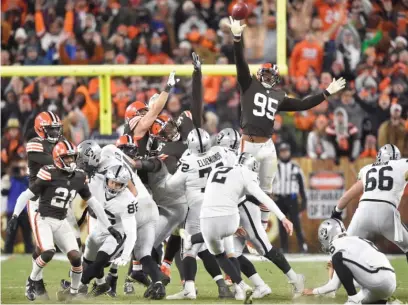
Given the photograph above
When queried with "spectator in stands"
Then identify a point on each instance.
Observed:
(283, 134)
(370, 147)
(81, 56)
(83, 101)
(12, 186)
(343, 135)
(75, 127)
(393, 131)
(12, 143)
(318, 145)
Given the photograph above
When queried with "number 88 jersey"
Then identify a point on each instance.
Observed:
(384, 182)
(57, 189)
(258, 108)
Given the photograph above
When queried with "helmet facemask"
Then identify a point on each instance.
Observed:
(53, 133)
(68, 162)
(169, 132)
(269, 77)
(129, 150)
(113, 187)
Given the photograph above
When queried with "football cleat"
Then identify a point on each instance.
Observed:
(98, 290)
(112, 282)
(139, 277)
(298, 286)
(40, 289)
(30, 290)
(155, 291)
(224, 293)
(261, 291)
(183, 295)
(128, 288)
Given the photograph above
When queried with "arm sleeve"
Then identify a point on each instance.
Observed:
(40, 158)
(197, 103)
(253, 188)
(39, 23)
(129, 226)
(331, 285)
(302, 191)
(150, 165)
(294, 104)
(22, 201)
(243, 73)
(99, 212)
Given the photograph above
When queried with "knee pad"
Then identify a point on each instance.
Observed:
(47, 256)
(74, 258)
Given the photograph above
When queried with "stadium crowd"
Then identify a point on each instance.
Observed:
(361, 40)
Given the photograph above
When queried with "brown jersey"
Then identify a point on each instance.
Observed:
(38, 149)
(258, 108)
(57, 189)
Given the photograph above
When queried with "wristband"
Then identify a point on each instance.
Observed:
(237, 38)
(326, 93)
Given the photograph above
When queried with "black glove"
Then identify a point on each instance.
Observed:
(196, 62)
(115, 234)
(335, 214)
(12, 224)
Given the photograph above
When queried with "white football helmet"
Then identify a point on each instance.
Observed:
(229, 138)
(118, 174)
(249, 161)
(198, 141)
(388, 152)
(89, 156)
(329, 230)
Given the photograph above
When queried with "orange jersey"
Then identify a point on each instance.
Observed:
(305, 55)
(329, 15)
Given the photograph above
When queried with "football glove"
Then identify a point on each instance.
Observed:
(121, 261)
(172, 81)
(236, 27)
(196, 62)
(115, 234)
(12, 224)
(336, 86)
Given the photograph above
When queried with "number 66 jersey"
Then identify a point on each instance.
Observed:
(384, 182)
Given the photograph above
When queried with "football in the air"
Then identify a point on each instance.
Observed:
(240, 11)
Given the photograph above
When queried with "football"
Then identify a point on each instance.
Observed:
(240, 11)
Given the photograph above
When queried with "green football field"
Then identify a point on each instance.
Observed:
(15, 270)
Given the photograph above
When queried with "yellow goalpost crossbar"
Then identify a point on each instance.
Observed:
(105, 72)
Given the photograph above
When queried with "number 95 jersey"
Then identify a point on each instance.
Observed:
(258, 108)
(384, 182)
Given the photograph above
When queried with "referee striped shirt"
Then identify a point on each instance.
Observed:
(289, 180)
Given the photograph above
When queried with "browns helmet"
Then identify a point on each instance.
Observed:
(268, 75)
(135, 109)
(48, 126)
(65, 155)
(165, 129)
(128, 145)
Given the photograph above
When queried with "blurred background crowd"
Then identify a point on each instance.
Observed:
(361, 40)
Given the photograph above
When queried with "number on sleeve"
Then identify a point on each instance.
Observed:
(63, 197)
(220, 175)
(266, 106)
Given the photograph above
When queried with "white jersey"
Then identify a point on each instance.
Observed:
(384, 182)
(120, 211)
(226, 186)
(192, 173)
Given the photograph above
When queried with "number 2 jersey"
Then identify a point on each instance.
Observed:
(57, 188)
(384, 182)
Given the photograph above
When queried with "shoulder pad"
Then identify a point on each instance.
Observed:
(45, 173)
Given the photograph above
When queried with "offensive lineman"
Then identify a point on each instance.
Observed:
(219, 217)
(57, 185)
(191, 176)
(381, 186)
(355, 258)
(259, 103)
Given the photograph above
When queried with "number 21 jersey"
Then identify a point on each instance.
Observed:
(258, 108)
(384, 182)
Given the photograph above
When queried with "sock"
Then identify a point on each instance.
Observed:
(235, 262)
(36, 272)
(156, 256)
(95, 270)
(278, 259)
(137, 266)
(113, 271)
(189, 286)
(76, 274)
(243, 285)
(217, 278)
(246, 266)
(291, 275)
(179, 265)
(256, 280)
(150, 267)
(173, 245)
(197, 238)
(210, 263)
(100, 281)
(190, 268)
(228, 267)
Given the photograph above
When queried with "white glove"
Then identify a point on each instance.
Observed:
(121, 261)
(172, 81)
(236, 27)
(336, 85)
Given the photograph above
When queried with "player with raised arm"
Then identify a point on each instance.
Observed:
(57, 185)
(191, 177)
(381, 186)
(355, 259)
(260, 101)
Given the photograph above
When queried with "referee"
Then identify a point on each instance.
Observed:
(288, 185)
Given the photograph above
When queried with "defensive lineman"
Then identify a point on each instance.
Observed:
(380, 186)
(355, 259)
